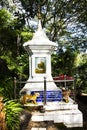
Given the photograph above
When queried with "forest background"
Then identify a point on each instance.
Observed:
(64, 21)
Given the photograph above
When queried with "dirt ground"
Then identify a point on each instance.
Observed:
(27, 124)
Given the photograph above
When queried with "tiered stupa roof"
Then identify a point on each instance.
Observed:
(41, 40)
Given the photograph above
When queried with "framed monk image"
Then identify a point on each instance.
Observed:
(40, 65)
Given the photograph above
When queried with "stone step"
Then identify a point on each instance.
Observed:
(35, 128)
(70, 118)
(54, 106)
(60, 106)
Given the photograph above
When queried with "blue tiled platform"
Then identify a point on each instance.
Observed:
(50, 96)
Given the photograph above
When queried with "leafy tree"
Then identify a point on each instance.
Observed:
(65, 23)
(63, 62)
(82, 73)
(12, 61)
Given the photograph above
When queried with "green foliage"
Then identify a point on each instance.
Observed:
(13, 63)
(4, 71)
(11, 68)
(26, 35)
(23, 66)
(7, 88)
(82, 74)
(63, 62)
(7, 32)
(5, 18)
(13, 110)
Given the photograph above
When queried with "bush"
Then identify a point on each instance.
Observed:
(13, 110)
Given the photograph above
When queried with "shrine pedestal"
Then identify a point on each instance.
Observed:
(60, 112)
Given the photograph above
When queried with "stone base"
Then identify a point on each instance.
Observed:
(66, 113)
(70, 118)
(57, 111)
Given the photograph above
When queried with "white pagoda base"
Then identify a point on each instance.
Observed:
(37, 84)
(60, 112)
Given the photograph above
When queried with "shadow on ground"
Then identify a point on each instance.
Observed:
(25, 118)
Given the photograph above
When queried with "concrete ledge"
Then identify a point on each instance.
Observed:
(75, 119)
(38, 128)
(74, 125)
(62, 106)
(37, 118)
(70, 118)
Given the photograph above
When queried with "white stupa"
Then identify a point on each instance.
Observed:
(40, 49)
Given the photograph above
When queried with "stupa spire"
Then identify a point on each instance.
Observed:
(39, 18)
(39, 12)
